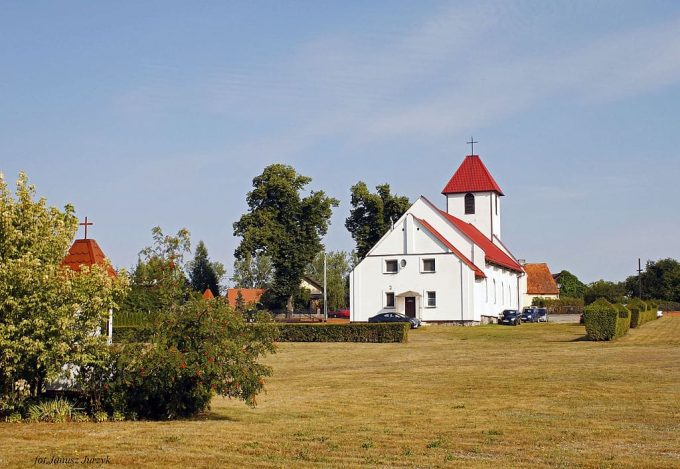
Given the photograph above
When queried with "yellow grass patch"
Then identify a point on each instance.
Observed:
(490, 396)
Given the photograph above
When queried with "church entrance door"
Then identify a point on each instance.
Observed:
(410, 302)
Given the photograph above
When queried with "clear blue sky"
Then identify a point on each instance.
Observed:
(161, 113)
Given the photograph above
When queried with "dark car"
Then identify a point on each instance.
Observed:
(529, 315)
(341, 313)
(542, 315)
(395, 317)
(511, 317)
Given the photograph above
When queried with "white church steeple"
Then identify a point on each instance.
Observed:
(473, 195)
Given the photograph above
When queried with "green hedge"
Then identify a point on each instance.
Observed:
(605, 321)
(638, 318)
(354, 332)
(131, 334)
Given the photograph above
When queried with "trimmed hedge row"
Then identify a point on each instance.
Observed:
(131, 334)
(353, 332)
(605, 321)
(638, 318)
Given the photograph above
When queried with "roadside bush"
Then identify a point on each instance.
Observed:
(202, 349)
(638, 318)
(637, 303)
(564, 305)
(55, 411)
(605, 321)
(354, 332)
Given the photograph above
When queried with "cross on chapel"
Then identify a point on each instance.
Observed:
(472, 144)
(86, 224)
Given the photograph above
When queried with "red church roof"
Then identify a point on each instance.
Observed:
(86, 252)
(440, 237)
(494, 254)
(208, 294)
(472, 176)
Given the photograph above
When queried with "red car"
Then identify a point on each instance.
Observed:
(341, 313)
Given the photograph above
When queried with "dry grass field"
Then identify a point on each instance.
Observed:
(490, 396)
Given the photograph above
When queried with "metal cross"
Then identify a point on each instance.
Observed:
(472, 144)
(86, 224)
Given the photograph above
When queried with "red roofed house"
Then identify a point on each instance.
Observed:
(443, 265)
(539, 283)
(251, 296)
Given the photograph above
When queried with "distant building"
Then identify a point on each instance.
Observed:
(252, 296)
(539, 283)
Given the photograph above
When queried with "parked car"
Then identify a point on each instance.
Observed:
(511, 317)
(542, 315)
(395, 317)
(530, 315)
(341, 313)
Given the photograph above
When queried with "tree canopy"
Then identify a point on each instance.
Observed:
(372, 215)
(660, 280)
(284, 225)
(48, 313)
(570, 285)
(338, 267)
(204, 274)
(252, 271)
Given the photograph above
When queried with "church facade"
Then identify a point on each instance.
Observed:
(443, 265)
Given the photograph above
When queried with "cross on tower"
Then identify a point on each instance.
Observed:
(472, 144)
(86, 224)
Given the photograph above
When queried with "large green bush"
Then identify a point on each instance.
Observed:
(605, 321)
(638, 318)
(202, 349)
(355, 332)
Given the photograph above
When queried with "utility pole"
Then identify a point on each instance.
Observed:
(325, 296)
(640, 276)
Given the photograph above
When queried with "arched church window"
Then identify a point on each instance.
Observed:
(502, 293)
(494, 292)
(469, 204)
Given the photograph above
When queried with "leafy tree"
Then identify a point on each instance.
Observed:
(570, 285)
(372, 215)
(610, 291)
(158, 283)
(337, 263)
(204, 274)
(285, 226)
(252, 271)
(48, 313)
(660, 280)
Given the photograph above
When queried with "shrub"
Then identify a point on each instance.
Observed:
(127, 334)
(638, 318)
(80, 417)
(101, 416)
(56, 411)
(202, 349)
(605, 321)
(564, 305)
(637, 303)
(355, 332)
(14, 417)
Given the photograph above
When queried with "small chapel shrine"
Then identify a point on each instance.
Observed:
(443, 265)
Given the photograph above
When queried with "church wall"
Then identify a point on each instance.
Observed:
(499, 291)
(369, 286)
(485, 211)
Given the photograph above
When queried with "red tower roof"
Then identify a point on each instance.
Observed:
(208, 294)
(472, 176)
(86, 252)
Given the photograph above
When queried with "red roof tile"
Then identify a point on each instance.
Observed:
(208, 294)
(86, 252)
(472, 176)
(539, 280)
(494, 254)
(250, 295)
(440, 237)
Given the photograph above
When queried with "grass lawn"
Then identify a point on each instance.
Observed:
(490, 396)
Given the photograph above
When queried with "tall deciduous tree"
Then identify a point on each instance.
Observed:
(204, 274)
(338, 267)
(372, 214)
(158, 283)
(48, 313)
(660, 280)
(570, 285)
(284, 225)
(611, 291)
(252, 272)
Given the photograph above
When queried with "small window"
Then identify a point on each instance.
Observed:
(431, 299)
(496, 205)
(428, 265)
(469, 204)
(391, 267)
(389, 300)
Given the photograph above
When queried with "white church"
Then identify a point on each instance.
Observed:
(447, 265)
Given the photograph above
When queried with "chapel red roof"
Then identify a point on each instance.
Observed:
(494, 254)
(208, 294)
(447, 243)
(86, 252)
(471, 176)
(249, 295)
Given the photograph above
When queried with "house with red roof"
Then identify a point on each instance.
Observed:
(443, 265)
(540, 283)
